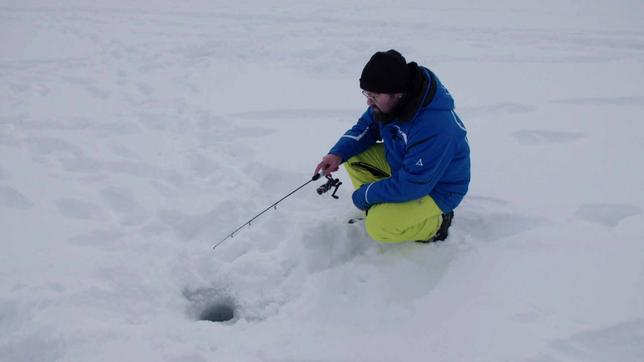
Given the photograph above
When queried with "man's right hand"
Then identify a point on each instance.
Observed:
(330, 163)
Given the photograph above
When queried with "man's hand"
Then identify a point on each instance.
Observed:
(330, 163)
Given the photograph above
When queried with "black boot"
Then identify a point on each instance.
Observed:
(442, 232)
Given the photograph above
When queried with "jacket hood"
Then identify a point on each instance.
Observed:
(442, 99)
(426, 92)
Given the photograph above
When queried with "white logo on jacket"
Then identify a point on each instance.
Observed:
(420, 162)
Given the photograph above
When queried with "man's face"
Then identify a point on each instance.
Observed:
(382, 102)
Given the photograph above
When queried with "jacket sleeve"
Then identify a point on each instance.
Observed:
(427, 156)
(358, 139)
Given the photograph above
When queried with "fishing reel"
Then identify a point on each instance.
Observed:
(330, 183)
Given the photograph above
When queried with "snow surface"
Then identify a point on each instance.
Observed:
(135, 135)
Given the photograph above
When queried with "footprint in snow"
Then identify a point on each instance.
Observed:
(614, 101)
(542, 137)
(294, 114)
(13, 199)
(45, 146)
(621, 341)
(489, 218)
(103, 239)
(607, 214)
(79, 209)
(123, 203)
(499, 108)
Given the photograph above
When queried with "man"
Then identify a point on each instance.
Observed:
(407, 156)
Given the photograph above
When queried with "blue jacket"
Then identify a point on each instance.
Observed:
(428, 152)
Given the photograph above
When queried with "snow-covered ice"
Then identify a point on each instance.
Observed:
(135, 135)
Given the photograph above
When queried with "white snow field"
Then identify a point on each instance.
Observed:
(136, 135)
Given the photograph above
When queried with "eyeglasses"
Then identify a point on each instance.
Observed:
(370, 95)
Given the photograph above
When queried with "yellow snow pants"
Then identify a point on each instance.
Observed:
(392, 222)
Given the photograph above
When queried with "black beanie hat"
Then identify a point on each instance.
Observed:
(386, 72)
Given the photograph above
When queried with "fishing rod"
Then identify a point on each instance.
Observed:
(330, 183)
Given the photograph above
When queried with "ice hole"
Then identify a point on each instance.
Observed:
(210, 304)
(218, 312)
